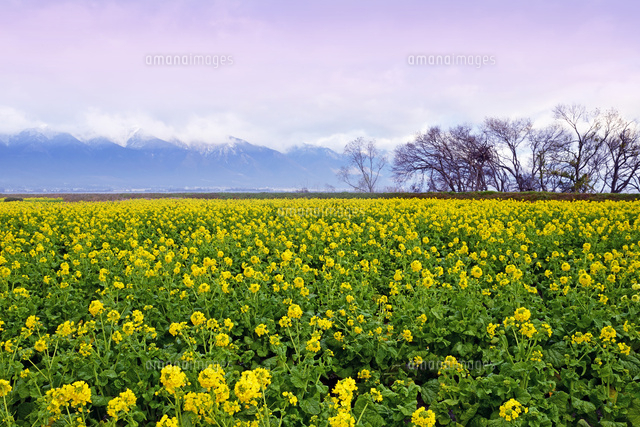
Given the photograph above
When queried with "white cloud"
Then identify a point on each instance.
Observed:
(12, 120)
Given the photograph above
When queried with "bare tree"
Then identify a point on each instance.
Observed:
(546, 145)
(457, 160)
(622, 149)
(524, 154)
(365, 162)
(581, 159)
(581, 151)
(508, 137)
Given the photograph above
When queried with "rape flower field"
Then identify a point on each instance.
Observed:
(320, 313)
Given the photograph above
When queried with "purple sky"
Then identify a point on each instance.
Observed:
(319, 72)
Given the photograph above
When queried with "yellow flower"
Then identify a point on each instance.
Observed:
(522, 314)
(287, 256)
(547, 328)
(274, 339)
(77, 395)
(113, 316)
(261, 330)
(165, 421)
(512, 410)
(211, 377)
(476, 272)
(342, 419)
(231, 407)
(285, 322)
(263, 376)
(423, 417)
(197, 318)
(406, 334)
(294, 312)
(585, 280)
(198, 403)
(376, 395)
(172, 378)
(579, 338)
(293, 400)
(176, 328)
(128, 328)
(122, 403)
(416, 266)
(228, 324)
(138, 317)
(364, 374)
(247, 389)
(222, 340)
(624, 348)
(85, 349)
(65, 329)
(344, 390)
(313, 345)
(491, 328)
(528, 329)
(32, 322)
(608, 334)
(41, 345)
(536, 356)
(96, 307)
(5, 388)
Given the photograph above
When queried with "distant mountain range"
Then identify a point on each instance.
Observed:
(41, 161)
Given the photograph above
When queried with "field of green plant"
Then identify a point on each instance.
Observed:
(307, 312)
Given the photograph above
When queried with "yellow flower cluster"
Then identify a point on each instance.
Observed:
(423, 417)
(213, 378)
(250, 386)
(5, 388)
(172, 378)
(121, 404)
(76, 395)
(512, 409)
(608, 334)
(218, 277)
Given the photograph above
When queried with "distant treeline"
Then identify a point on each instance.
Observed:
(583, 151)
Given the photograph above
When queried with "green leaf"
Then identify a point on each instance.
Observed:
(380, 356)
(297, 379)
(633, 415)
(555, 354)
(109, 373)
(99, 400)
(583, 406)
(613, 424)
(469, 413)
(429, 391)
(522, 396)
(366, 411)
(311, 406)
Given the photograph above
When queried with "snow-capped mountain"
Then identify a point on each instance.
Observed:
(40, 160)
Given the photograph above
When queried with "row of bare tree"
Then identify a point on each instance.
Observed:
(582, 151)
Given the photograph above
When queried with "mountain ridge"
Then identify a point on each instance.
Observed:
(36, 160)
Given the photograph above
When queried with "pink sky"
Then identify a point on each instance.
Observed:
(308, 72)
